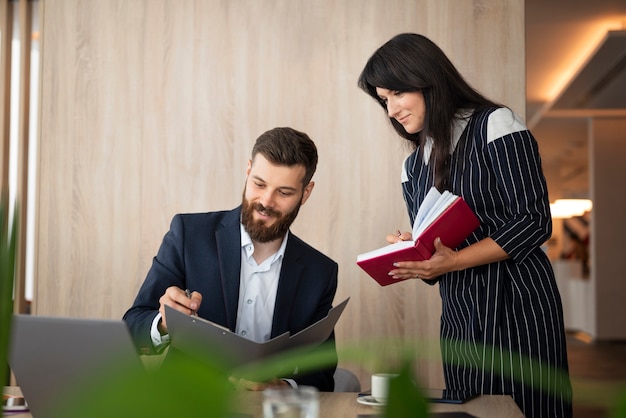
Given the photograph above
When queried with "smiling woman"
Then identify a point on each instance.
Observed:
(407, 107)
(475, 148)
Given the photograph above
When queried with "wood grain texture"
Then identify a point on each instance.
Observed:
(151, 107)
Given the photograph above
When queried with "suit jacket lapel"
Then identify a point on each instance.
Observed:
(229, 258)
(290, 275)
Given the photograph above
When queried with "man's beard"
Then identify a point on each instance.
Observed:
(257, 229)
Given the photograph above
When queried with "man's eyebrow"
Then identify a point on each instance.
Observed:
(294, 189)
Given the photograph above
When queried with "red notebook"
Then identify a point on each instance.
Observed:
(452, 221)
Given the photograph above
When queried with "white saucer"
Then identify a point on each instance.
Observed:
(369, 400)
(14, 407)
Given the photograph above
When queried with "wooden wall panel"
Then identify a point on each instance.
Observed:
(150, 107)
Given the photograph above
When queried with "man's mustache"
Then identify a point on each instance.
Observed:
(268, 211)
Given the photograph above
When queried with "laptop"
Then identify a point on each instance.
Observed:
(54, 358)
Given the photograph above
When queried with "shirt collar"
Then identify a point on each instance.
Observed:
(459, 123)
(247, 241)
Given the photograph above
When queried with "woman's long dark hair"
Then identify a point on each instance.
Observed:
(410, 62)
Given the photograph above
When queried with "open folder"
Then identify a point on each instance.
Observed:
(196, 336)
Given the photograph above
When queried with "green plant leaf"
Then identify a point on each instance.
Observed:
(8, 232)
(405, 399)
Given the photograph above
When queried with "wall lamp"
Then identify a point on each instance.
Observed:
(566, 208)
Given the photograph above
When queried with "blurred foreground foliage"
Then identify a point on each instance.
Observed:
(185, 386)
(8, 232)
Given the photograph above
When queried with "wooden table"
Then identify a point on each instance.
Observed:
(344, 404)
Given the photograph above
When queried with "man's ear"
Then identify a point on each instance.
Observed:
(307, 192)
(249, 168)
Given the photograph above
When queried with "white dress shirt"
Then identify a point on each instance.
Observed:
(258, 284)
(257, 295)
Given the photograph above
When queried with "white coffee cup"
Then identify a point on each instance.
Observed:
(380, 386)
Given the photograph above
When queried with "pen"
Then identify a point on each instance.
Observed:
(188, 293)
(399, 235)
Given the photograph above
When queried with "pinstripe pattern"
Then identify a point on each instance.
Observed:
(502, 324)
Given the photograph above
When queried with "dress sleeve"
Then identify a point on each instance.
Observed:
(515, 159)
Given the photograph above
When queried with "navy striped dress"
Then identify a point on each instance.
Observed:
(502, 324)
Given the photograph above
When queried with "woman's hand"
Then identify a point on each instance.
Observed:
(398, 236)
(443, 260)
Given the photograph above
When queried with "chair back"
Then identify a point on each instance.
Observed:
(346, 381)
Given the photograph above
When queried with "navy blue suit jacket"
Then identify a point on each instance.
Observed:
(202, 252)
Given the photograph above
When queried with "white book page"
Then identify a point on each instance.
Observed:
(385, 250)
(429, 201)
(443, 203)
(445, 199)
(433, 205)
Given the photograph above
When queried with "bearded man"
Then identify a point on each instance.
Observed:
(243, 269)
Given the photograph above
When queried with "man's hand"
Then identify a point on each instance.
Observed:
(176, 298)
(243, 384)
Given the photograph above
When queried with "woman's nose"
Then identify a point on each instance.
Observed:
(392, 108)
